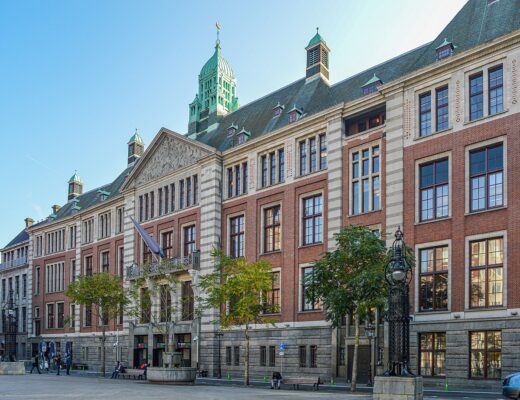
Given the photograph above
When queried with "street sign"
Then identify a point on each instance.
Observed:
(282, 353)
(282, 346)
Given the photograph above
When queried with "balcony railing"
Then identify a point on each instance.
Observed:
(18, 262)
(167, 265)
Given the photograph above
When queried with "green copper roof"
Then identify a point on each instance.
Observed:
(374, 79)
(75, 178)
(445, 43)
(316, 39)
(217, 63)
(136, 138)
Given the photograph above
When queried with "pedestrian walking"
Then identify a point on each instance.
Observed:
(68, 362)
(35, 364)
(58, 363)
(276, 380)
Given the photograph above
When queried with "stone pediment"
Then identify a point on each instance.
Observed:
(165, 157)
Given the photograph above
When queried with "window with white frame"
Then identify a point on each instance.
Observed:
(492, 88)
(486, 170)
(54, 277)
(312, 220)
(72, 237)
(312, 154)
(433, 111)
(104, 261)
(55, 241)
(272, 168)
(272, 229)
(236, 236)
(434, 190)
(236, 179)
(308, 301)
(120, 219)
(50, 316)
(365, 180)
(486, 272)
(104, 225)
(38, 245)
(88, 231)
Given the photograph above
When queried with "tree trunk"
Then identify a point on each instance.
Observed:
(246, 358)
(353, 386)
(103, 353)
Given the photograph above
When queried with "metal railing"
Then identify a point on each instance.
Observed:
(167, 265)
(17, 262)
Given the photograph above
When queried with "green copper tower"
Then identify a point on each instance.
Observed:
(217, 94)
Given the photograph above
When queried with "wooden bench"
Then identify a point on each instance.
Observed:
(296, 381)
(82, 367)
(133, 373)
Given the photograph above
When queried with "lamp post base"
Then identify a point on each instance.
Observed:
(398, 388)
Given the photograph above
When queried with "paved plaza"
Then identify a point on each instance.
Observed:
(81, 387)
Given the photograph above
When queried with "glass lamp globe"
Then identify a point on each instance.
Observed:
(398, 275)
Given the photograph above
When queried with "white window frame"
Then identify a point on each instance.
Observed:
(301, 197)
(300, 290)
(426, 160)
(467, 182)
(262, 226)
(228, 232)
(432, 89)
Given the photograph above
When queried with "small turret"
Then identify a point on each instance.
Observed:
(135, 148)
(317, 58)
(75, 186)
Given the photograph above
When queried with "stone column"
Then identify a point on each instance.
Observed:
(210, 231)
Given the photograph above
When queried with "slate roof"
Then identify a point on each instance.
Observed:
(476, 23)
(23, 236)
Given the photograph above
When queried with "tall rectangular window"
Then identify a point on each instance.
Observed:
(366, 181)
(272, 356)
(486, 273)
(236, 354)
(105, 261)
(181, 195)
(263, 356)
(167, 244)
(152, 204)
(432, 354)
(37, 284)
(166, 199)
(238, 177)
(434, 192)
(441, 95)
(230, 184)
(190, 239)
(303, 157)
(141, 209)
(309, 303)
(50, 316)
(272, 229)
(272, 297)
(60, 311)
(433, 279)
(24, 286)
(272, 168)
(302, 355)
(228, 355)
(160, 196)
(172, 197)
(263, 161)
(244, 177)
(281, 165)
(120, 219)
(425, 114)
(121, 261)
(88, 315)
(88, 266)
(188, 192)
(146, 206)
(486, 354)
(496, 90)
(236, 236)
(312, 220)
(313, 155)
(188, 301)
(313, 356)
(323, 151)
(486, 177)
(476, 96)
(195, 189)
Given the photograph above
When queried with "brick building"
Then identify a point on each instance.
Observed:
(426, 140)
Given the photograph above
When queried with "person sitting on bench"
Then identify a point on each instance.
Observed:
(276, 380)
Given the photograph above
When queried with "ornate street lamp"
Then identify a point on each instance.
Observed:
(219, 335)
(370, 331)
(10, 324)
(398, 274)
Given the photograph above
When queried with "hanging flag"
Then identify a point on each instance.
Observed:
(150, 242)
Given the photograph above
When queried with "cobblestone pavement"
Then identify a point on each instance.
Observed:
(47, 386)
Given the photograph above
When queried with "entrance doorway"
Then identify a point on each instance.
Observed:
(363, 371)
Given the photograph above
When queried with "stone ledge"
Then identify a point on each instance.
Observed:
(12, 368)
(398, 388)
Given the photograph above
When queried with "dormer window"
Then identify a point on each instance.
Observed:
(294, 114)
(232, 130)
(444, 50)
(103, 195)
(371, 85)
(242, 136)
(277, 110)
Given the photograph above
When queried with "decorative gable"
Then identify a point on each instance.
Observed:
(169, 153)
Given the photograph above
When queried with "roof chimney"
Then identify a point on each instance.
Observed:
(55, 208)
(28, 222)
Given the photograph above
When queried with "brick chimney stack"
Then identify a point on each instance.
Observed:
(55, 208)
(28, 222)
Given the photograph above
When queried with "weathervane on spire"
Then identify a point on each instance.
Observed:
(217, 25)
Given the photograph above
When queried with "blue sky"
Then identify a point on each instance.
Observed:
(77, 77)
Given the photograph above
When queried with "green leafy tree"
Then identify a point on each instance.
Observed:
(350, 280)
(157, 280)
(105, 295)
(238, 288)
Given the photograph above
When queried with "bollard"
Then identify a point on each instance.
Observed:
(446, 384)
(228, 376)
